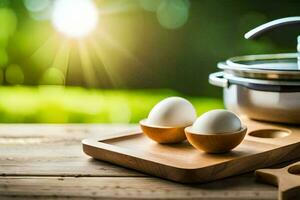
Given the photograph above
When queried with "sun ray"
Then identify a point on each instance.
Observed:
(37, 52)
(61, 60)
(113, 78)
(55, 73)
(87, 65)
(104, 37)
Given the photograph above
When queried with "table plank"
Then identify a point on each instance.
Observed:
(241, 187)
(54, 150)
(72, 167)
(47, 162)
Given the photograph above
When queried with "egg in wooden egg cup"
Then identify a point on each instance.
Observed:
(216, 131)
(168, 119)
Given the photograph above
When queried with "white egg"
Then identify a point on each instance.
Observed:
(172, 112)
(217, 121)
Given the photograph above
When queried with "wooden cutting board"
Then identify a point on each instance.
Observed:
(264, 145)
(287, 179)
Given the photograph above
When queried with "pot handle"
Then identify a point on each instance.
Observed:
(218, 79)
(272, 25)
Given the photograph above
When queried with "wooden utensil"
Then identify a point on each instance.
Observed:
(287, 179)
(265, 144)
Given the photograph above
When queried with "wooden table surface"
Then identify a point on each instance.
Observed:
(47, 162)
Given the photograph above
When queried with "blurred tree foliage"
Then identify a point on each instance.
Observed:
(57, 104)
(138, 43)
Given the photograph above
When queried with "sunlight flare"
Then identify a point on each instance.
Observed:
(75, 18)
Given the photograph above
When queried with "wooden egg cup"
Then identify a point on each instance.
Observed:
(210, 143)
(215, 143)
(163, 135)
(287, 179)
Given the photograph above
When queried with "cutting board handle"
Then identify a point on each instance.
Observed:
(287, 179)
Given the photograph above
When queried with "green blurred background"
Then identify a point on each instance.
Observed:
(140, 52)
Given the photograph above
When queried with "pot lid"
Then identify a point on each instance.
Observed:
(268, 66)
(284, 66)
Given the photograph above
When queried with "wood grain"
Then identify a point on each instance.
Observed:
(242, 187)
(287, 179)
(60, 155)
(64, 166)
(183, 163)
(35, 169)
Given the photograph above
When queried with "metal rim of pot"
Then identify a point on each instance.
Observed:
(223, 79)
(235, 67)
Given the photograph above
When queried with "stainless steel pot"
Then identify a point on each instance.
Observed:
(263, 87)
(275, 101)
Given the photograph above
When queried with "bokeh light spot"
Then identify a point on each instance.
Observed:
(36, 5)
(75, 18)
(14, 74)
(173, 14)
(53, 76)
(8, 23)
